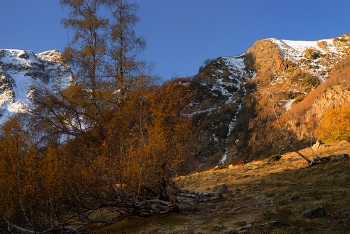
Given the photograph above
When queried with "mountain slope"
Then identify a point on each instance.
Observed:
(22, 73)
(220, 90)
(234, 103)
(236, 98)
(264, 197)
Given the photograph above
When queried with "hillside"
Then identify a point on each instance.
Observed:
(108, 146)
(247, 111)
(236, 106)
(264, 197)
(234, 96)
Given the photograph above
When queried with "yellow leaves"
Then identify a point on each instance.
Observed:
(17, 165)
(53, 166)
(72, 2)
(100, 49)
(67, 55)
(27, 176)
(143, 138)
(335, 125)
(168, 128)
(88, 50)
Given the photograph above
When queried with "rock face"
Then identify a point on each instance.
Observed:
(236, 97)
(22, 73)
(220, 89)
(237, 94)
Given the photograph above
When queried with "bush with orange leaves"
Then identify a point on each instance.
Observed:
(335, 125)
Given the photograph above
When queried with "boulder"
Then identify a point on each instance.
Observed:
(223, 189)
(339, 157)
(314, 213)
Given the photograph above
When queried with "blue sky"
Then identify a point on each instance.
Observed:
(181, 34)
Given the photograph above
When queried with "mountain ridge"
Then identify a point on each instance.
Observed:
(22, 73)
(285, 70)
(232, 93)
(122, 150)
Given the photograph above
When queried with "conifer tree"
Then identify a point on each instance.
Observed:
(111, 139)
(102, 54)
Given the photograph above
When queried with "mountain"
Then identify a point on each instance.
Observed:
(22, 73)
(120, 148)
(237, 102)
(238, 97)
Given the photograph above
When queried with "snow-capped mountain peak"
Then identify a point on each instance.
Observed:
(234, 93)
(317, 57)
(22, 72)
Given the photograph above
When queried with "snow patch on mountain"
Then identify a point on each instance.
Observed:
(316, 57)
(22, 73)
(222, 80)
(288, 69)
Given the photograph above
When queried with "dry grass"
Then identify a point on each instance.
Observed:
(266, 197)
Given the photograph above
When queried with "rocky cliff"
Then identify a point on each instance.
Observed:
(22, 73)
(237, 97)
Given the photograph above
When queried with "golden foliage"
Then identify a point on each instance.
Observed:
(17, 168)
(339, 76)
(335, 125)
(103, 140)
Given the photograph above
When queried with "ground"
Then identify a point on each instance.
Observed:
(264, 197)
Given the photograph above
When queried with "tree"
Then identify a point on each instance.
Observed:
(269, 134)
(31, 183)
(17, 170)
(110, 143)
(335, 125)
(103, 54)
(107, 146)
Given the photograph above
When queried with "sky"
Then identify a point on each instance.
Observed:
(182, 34)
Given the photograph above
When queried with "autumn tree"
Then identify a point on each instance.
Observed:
(33, 187)
(102, 54)
(269, 132)
(17, 169)
(162, 145)
(109, 144)
(335, 125)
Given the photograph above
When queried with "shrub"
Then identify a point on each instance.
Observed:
(274, 157)
(249, 62)
(311, 53)
(310, 80)
(335, 125)
(306, 79)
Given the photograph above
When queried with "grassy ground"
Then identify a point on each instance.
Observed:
(265, 197)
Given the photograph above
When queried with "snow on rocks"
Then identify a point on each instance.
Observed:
(288, 104)
(227, 86)
(22, 72)
(316, 57)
